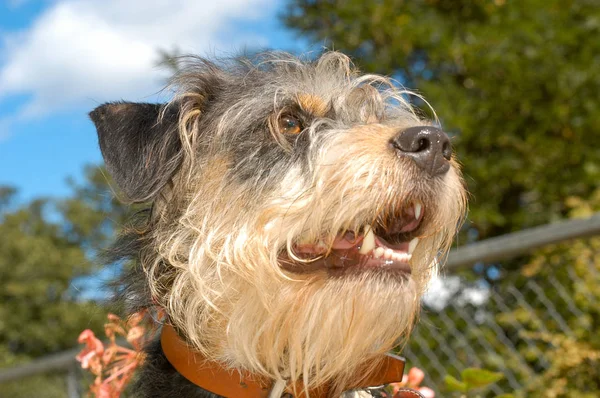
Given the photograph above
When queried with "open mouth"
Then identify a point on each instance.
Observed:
(388, 246)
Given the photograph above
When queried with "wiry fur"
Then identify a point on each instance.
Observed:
(242, 194)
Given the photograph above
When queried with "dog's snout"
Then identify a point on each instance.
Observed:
(428, 146)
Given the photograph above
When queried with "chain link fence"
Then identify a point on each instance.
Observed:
(504, 318)
(497, 329)
(518, 318)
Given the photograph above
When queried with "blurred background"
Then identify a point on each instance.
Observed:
(515, 83)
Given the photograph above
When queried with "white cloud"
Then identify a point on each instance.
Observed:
(86, 50)
(442, 290)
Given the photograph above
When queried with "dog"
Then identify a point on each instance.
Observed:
(297, 210)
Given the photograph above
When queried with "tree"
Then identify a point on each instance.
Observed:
(515, 82)
(47, 244)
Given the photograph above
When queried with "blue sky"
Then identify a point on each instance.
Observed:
(61, 58)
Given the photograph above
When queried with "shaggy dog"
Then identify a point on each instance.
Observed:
(297, 211)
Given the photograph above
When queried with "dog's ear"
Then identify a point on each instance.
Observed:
(140, 145)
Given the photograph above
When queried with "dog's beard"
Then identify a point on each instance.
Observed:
(321, 329)
(314, 328)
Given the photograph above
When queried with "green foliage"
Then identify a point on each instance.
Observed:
(473, 380)
(516, 81)
(454, 385)
(46, 386)
(477, 378)
(46, 244)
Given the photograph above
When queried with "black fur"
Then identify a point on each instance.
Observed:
(139, 148)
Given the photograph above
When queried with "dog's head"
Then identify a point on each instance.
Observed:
(298, 210)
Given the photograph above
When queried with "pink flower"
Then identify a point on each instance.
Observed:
(90, 356)
(415, 377)
(113, 365)
(413, 380)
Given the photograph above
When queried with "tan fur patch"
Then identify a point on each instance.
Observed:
(313, 104)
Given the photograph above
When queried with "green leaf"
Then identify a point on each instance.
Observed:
(505, 396)
(476, 378)
(454, 385)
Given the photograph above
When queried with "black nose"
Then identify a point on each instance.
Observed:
(428, 146)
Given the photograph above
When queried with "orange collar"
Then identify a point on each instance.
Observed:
(213, 377)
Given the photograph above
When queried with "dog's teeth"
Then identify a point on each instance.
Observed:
(401, 257)
(412, 245)
(368, 242)
(418, 209)
(388, 254)
(378, 253)
(404, 257)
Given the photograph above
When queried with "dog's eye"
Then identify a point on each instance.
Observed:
(289, 125)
